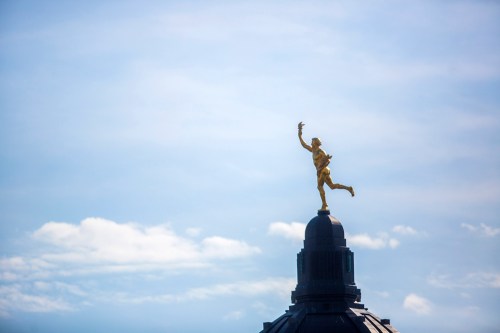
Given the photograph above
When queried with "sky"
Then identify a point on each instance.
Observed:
(151, 178)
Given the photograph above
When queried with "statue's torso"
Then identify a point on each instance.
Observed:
(319, 156)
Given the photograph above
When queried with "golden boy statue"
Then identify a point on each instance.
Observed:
(321, 161)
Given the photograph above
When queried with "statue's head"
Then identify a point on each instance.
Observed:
(316, 142)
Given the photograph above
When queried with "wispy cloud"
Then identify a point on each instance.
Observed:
(59, 287)
(417, 304)
(470, 280)
(56, 296)
(280, 287)
(293, 230)
(13, 298)
(234, 315)
(404, 230)
(483, 229)
(15, 268)
(382, 240)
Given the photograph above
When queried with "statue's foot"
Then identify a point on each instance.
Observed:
(351, 190)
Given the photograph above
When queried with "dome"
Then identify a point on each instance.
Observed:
(350, 321)
(324, 230)
(326, 298)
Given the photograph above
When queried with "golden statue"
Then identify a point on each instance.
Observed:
(321, 161)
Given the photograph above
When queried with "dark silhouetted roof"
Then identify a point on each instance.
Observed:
(326, 299)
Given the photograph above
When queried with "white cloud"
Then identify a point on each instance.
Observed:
(381, 241)
(364, 240)
(21, 264)
(393, 243)
(280, 287)
(417, 304)
(404, 230)
(234, 315)
(15, 268)
(97, 245)
(483, 229)
(293, 230)
(469, 227)
(489, 280)
(470, 280)
(97, 240)
(60, 287)
(222, 248)
(101, 246)
(12, 298)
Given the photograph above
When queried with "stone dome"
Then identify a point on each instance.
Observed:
(326, 299)
(324, 230)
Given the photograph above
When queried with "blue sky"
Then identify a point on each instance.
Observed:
(152, 179)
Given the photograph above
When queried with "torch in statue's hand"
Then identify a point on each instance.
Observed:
(301, 125)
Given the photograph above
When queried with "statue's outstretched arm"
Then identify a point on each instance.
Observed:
(302, 142)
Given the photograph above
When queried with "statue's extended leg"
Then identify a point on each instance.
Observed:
(334, 186)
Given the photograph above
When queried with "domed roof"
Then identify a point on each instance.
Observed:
(349, 321)
(326, 298)
(324, 230)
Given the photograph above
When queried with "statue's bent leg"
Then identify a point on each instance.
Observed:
(334, 186)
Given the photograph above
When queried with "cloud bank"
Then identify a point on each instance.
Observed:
(101, 246)
(98, 240)
(97, 245)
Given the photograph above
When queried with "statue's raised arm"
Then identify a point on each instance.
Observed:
(302, 142)
(321, 161)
